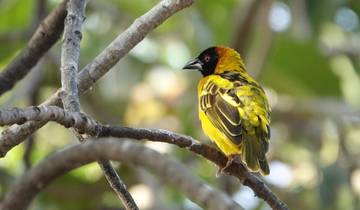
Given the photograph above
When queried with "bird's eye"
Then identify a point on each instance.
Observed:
(207, 58)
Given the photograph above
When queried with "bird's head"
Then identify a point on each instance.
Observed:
(216, 60)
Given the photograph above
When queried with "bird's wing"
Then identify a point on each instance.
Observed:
(219, 103)
(234, 107)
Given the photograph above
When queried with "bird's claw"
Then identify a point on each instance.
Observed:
(230, 160)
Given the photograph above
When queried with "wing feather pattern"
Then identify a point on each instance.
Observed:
(241, 113)
(221, 107)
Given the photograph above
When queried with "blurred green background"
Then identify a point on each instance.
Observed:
(306, 54)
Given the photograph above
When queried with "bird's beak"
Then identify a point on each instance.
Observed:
(194, 64)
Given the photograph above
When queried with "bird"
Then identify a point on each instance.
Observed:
(233, 108)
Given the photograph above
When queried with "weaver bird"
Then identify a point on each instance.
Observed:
(233, 108)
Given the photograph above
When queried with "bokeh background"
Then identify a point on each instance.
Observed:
(306, 54)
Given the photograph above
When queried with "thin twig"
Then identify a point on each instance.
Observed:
(104, 61)
(82, 123)
(168, 169)
(118, 185)
(48, 32)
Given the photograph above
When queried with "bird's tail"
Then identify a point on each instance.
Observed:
(253, 154)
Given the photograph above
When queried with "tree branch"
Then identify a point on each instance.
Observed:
(117, 185)
(43, 39)
(127, 40)
(75, 120)
(70, 54)
(104, 61)
(235, 169)
(170, 170)
(83, 124)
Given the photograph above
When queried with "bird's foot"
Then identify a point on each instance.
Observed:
(231, 159)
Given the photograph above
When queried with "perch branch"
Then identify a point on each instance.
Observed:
(48, 32)
(104, 61)
(235, 169)
(80, 122)
(170, 170)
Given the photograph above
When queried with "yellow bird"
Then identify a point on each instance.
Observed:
(233, 108)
